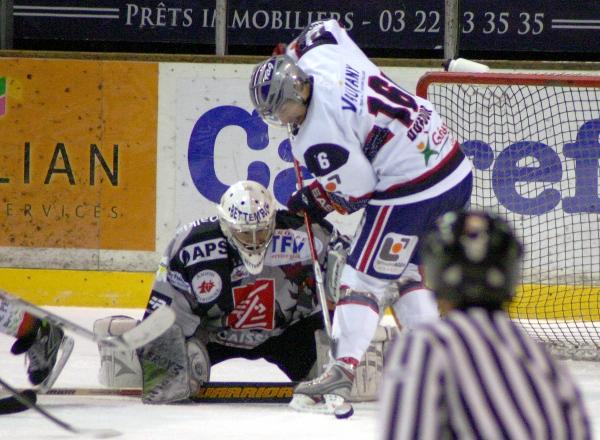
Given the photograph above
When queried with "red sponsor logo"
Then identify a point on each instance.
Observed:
(254, 306)
(207, 286)
(440, 134)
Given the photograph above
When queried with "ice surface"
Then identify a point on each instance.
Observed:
(196, 421)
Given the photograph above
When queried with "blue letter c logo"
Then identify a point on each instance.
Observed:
(201, 148)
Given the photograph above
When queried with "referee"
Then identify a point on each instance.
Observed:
(475, 374)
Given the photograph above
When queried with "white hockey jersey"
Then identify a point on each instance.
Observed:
(364, 138)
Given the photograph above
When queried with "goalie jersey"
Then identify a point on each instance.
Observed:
(202, 277)
(366, 139)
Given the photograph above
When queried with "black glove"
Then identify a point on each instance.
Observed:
(313, 200)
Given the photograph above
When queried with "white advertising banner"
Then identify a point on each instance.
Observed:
(210, 138)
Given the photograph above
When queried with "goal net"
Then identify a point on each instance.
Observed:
(535, 144)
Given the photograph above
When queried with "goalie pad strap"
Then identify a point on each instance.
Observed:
(199, 362)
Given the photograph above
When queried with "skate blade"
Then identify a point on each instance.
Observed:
(327, 405)
(65, 349)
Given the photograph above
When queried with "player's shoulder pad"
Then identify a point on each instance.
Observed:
(315, 34)
(201, 241)
(323, 159)
(200, 224)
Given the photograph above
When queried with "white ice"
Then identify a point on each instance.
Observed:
(198, 421)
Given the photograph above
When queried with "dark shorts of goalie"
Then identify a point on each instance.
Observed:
(294, 351)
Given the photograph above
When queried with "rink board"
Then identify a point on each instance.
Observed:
(132, 289)
(76, 235)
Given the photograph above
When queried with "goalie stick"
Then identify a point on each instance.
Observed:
(149, 329)
(212, 392)
(26, 401)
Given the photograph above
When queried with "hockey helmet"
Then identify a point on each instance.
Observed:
(273, 83)
(247, 218)
(472, 259)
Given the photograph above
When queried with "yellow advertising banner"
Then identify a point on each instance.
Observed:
(78, 153)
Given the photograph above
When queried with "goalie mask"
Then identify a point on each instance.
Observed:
(472, 259)
(274, 83)
(247, 217)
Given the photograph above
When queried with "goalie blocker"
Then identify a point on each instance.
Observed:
(175, 368)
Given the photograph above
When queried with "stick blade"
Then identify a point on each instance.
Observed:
(11, 405)
(100, 433)
(150, 328)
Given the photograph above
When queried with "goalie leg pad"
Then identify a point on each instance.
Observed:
(199, 364)
(118, 369)
(165, 368)
(336, 259)
(368, 373)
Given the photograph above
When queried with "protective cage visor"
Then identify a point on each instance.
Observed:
(253, 240)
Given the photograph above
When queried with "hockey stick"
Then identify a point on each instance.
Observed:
(149, 329)
(313, 254)
(212, 392)
(24, 400)
(343, 409)
(11, 405)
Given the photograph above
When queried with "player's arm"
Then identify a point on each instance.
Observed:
(344, 182)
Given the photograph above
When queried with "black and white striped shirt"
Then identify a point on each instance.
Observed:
(477, 375)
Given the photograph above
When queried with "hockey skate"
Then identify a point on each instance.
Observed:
(43, 348)
(326, 393)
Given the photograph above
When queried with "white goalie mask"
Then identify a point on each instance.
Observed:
(247, 217)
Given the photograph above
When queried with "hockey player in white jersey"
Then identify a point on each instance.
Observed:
(46, 347)
(370, 144)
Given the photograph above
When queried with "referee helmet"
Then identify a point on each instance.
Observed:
(472, 259)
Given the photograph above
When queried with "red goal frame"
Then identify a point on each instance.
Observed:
(490, 78)
(562, 312)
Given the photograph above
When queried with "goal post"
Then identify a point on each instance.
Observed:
(535, 143)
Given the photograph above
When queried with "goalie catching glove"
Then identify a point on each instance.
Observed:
(312, 200)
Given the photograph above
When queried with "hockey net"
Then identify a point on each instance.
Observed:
(535, 143)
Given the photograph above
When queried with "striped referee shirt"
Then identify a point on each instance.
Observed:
(477, 375)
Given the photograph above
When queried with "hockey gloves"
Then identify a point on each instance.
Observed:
(313, 200)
